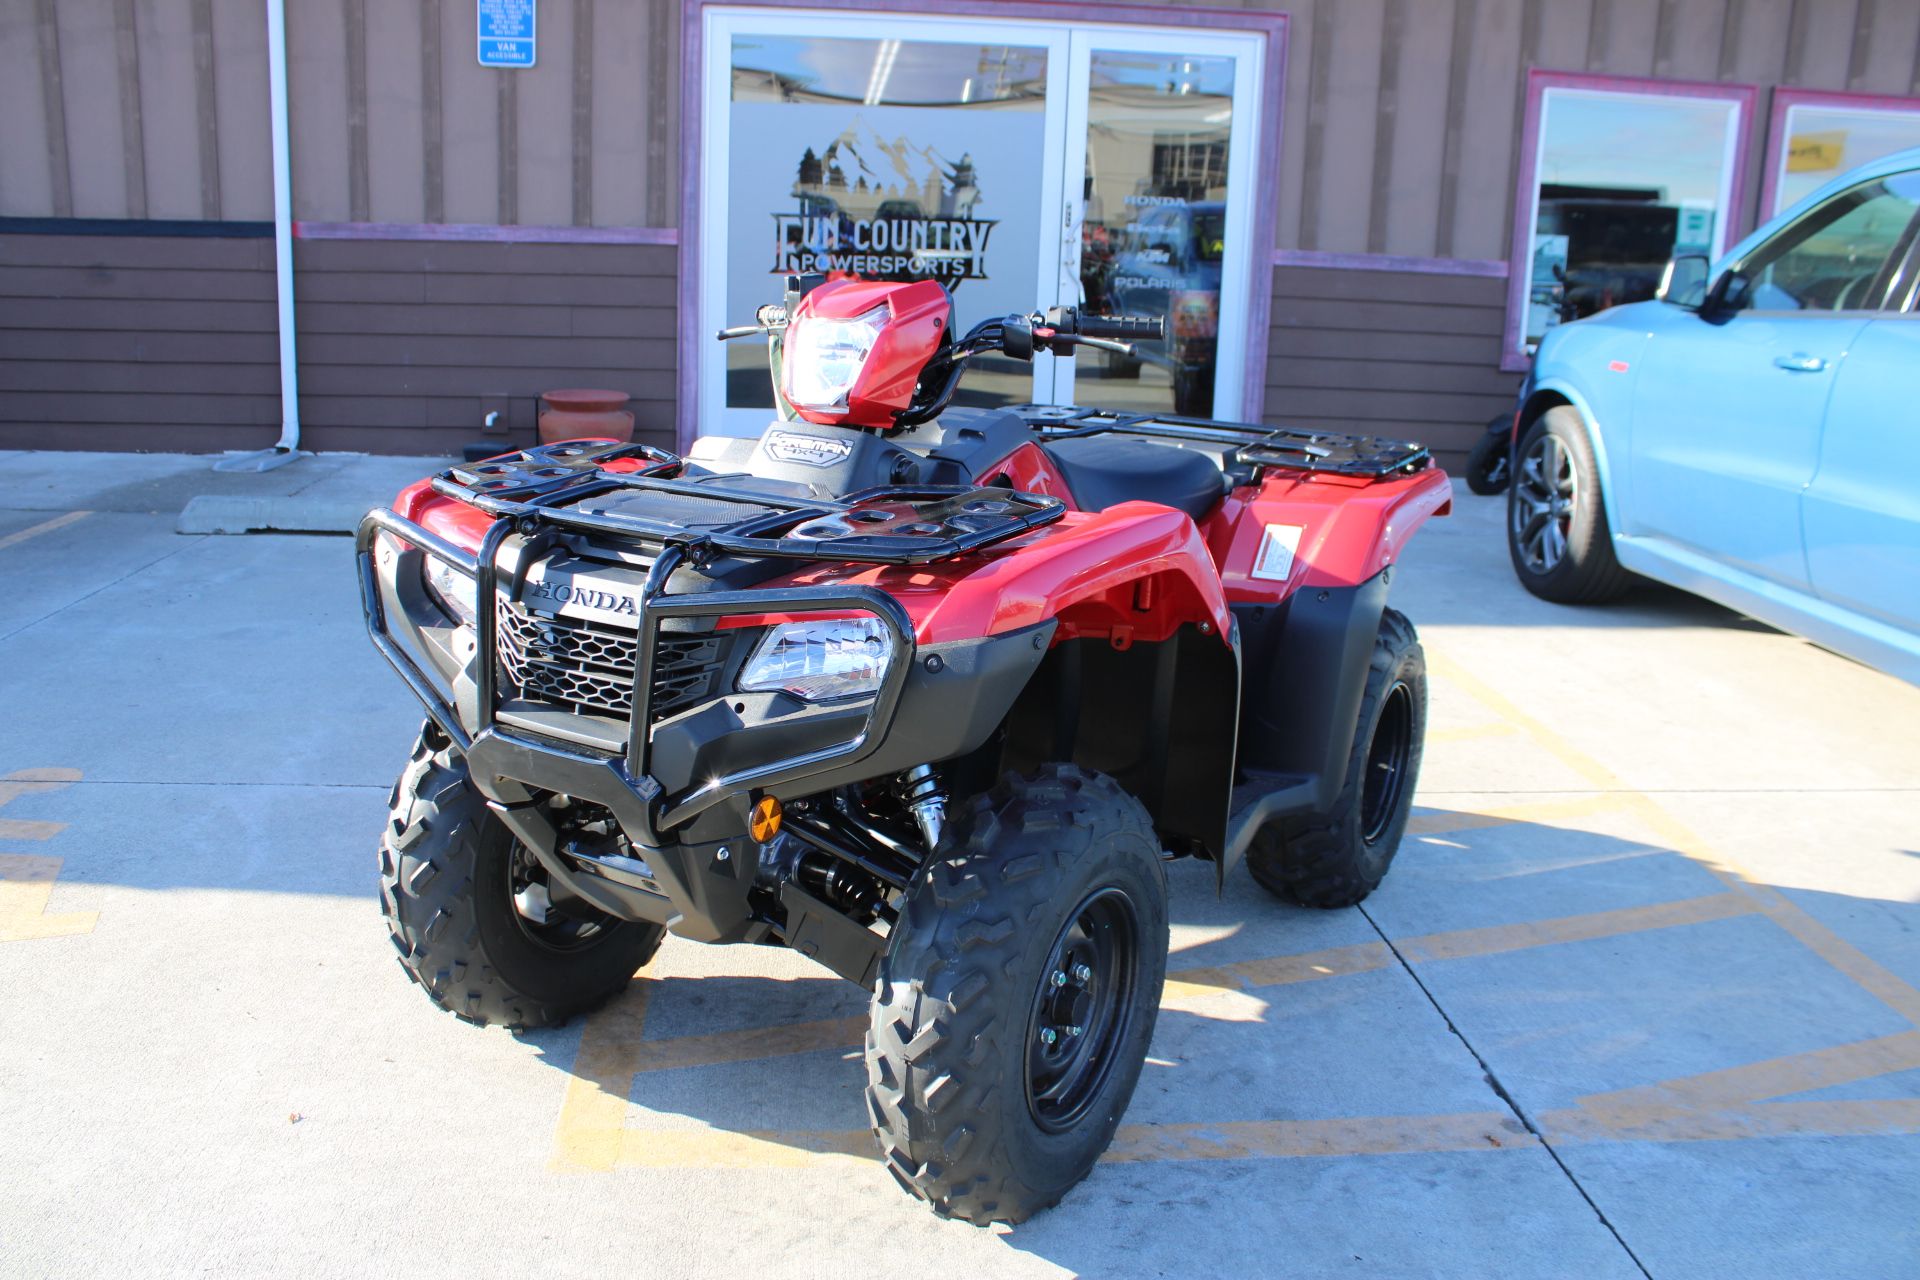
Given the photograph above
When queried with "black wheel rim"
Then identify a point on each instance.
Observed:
(1082, 1010)
(1386, 768)
(574, 928)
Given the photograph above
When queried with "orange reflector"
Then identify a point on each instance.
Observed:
(764, 824)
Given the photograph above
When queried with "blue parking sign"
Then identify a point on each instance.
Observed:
(506, 33)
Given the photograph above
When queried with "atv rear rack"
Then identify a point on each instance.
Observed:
(1251, 445)
(892, 524)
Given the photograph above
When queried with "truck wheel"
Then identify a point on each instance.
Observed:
(449, 870)
(1018, 995)
(1336, 859)
(1487, 462)
(1557, 530)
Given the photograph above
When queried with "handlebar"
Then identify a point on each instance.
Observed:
(1122, 328)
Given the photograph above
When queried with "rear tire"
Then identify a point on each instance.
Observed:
(447, 868)
(1557, 531)
(1018, 995)
(1487, 463)
(1336, 859)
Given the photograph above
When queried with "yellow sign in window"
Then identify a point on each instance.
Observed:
(1816, 152)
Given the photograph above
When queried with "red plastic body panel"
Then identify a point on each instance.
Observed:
(1137, 571)
(918, 314)
(1349, 528)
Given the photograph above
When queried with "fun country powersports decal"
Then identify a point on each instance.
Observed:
(883, 223)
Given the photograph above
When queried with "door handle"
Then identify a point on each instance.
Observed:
(1797, 363)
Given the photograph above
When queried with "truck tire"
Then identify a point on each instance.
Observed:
(1557, 532)
(1017, 996)
(447, 871)
(1336, 859)
(1487, 462)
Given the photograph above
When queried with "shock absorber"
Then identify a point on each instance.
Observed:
(920, 787)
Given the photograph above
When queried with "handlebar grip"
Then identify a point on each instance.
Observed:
(1123, 328)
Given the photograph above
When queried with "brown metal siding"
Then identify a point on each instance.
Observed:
(404, 346)
(137, 342)
(168, 342)
(1393, 353)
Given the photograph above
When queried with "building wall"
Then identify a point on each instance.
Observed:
(1399, 139)
(138, 341)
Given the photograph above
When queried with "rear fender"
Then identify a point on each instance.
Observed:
(1299, 531)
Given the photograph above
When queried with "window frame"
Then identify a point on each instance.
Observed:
(1743, 98)
(1785, 99)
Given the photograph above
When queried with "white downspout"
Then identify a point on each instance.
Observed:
(288, 448)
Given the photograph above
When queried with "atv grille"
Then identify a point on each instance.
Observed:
(587, 667)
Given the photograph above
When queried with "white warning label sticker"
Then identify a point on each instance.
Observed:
(1277, 547)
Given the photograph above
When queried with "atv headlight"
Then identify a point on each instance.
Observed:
(820, 661)
(823, 357)
(452, 590)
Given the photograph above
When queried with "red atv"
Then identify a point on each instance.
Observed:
(927, 694)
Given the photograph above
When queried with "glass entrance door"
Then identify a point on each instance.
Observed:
(1162, 134)
(893, 147)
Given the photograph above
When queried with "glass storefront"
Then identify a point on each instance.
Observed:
(906, 148)
(1621, 182)
(1153, 239)
(884, 159)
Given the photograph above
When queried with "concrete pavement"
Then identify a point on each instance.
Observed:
(1639, 997)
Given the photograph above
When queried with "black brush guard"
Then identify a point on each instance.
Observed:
(531, 493)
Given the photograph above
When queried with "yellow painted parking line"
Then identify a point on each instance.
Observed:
(593, 1115)
(750, 1044)
(1839, 1118)
(706, 1148)
(26, 887)
(1762, 1081)
(1499, 939)
(45, 526)
(18, 829)
(1335, 1136)
(1458, 944)
(22, 782)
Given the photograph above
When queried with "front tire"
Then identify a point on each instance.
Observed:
(1018, 995)
(1336, 859)
(448, 873)
(1557, 532)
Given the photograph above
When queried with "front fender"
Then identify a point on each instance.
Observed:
(1134, 572)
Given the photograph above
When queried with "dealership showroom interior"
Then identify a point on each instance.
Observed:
(1256, 638)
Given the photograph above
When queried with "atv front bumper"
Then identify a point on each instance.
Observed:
(680, 788)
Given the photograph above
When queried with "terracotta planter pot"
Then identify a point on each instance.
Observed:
(584, 414)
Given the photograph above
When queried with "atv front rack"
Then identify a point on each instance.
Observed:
(1247, 444)
(892, 524)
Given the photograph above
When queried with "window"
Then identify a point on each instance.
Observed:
(1838, 256)
(1618, 176)
(1815, 137)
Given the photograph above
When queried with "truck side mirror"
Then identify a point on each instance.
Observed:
(1684, 282)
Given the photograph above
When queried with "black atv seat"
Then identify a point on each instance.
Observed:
(1103, 470)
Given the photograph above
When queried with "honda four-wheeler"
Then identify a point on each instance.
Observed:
(927, 694)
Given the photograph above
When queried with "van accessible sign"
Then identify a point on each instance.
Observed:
(506, 33)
